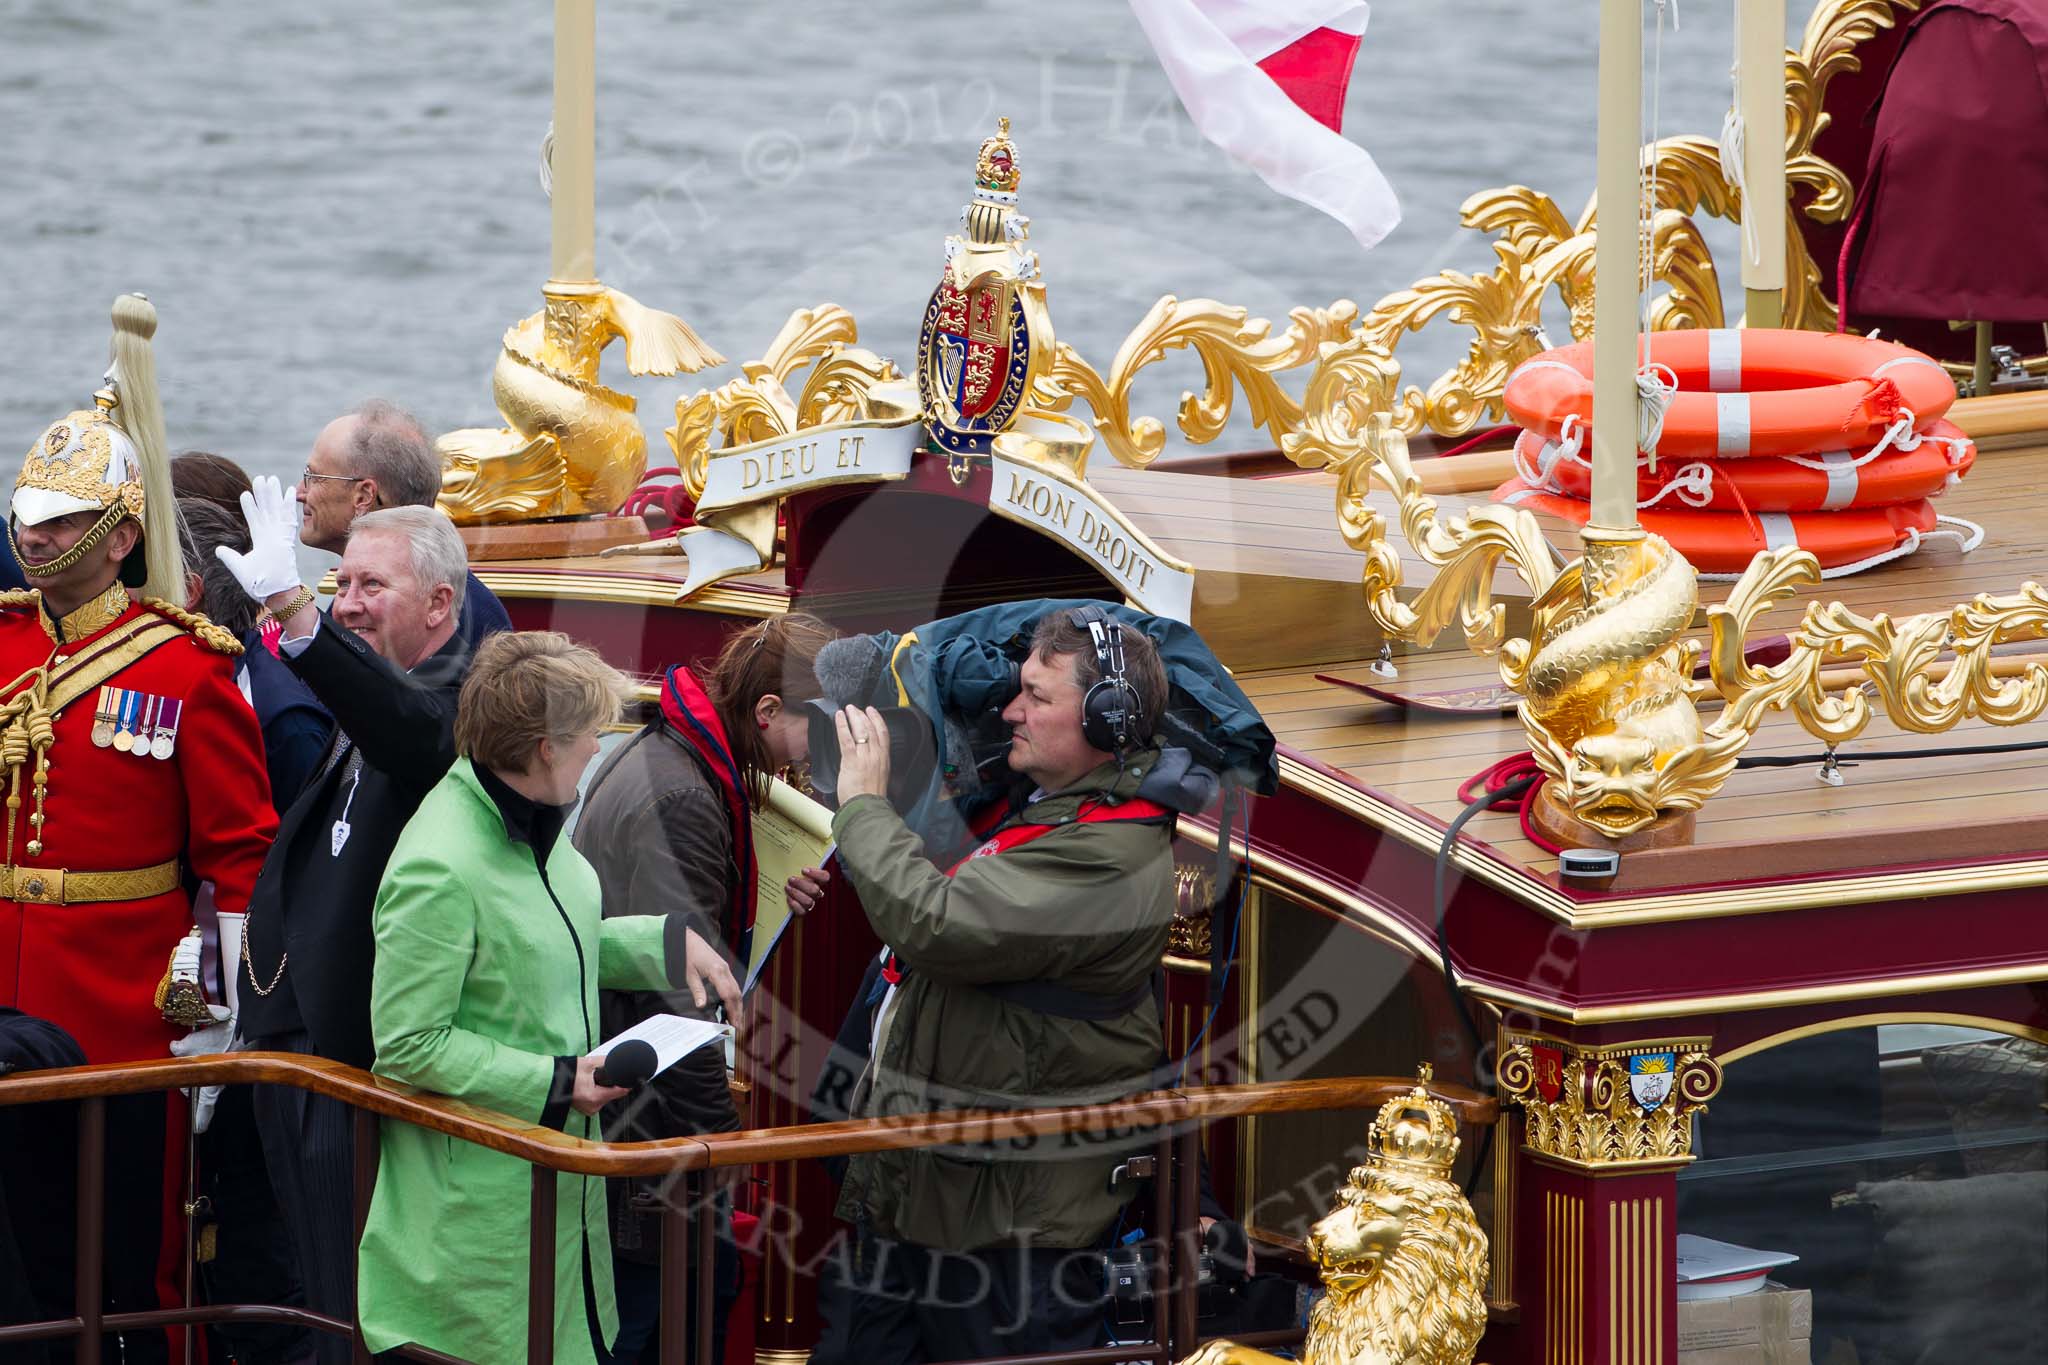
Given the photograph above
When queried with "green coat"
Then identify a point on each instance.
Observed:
(478, 988)
(1085, 907)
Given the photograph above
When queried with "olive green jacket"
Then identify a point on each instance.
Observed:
(1084, 907)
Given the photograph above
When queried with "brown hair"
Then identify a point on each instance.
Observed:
(1056, 636)
(529, 685)
(206, 526)
(210, 478)
(778, 657)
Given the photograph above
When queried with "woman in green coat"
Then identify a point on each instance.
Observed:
(490, 953)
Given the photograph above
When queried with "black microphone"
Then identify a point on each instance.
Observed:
(627, 1065)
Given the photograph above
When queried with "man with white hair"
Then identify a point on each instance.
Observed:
(388, 662)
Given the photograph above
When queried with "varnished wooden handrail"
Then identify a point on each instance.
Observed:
(558, 1151)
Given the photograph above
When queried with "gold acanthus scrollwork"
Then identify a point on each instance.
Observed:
(1236, 350)
(1538, 250)
(1346, 429)
(1595, 1120)
(758, 406)
(1899, 658)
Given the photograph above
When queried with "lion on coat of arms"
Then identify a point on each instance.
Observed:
(1403, 1260)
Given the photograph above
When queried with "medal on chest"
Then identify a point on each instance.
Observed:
(104, 715)
(129, 717)
(165, 741)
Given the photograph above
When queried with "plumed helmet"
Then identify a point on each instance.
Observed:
(111, 459)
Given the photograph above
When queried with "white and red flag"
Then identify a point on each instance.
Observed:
(1265, 81)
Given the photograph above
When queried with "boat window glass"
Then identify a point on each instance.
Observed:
(1906, 1165)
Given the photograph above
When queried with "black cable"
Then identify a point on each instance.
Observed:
(1440, 908)
(1880, 755)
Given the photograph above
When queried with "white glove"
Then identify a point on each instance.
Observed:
(217, 1037)
(272, 564)
(205, 1040)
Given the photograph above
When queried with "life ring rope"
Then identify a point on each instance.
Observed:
(1967, 535)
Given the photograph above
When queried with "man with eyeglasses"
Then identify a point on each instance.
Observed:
(379, 456)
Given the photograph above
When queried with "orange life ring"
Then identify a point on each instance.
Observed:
(1824, 482)
(1725, 542)
(1749, 391)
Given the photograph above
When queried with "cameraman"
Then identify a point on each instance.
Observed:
(1021, 978)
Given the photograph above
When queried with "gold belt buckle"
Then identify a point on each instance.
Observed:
(43, 885)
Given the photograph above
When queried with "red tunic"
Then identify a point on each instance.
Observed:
(93, 967)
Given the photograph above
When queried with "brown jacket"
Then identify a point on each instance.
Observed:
(653, 828)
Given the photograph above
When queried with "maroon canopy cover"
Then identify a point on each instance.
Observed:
(1952, 221)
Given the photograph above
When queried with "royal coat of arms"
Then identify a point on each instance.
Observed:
(986, 335)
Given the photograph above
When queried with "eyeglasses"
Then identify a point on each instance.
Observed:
(307, 474)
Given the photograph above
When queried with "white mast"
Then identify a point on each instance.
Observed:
(1616, 266)
(574, 197)
(1760, 99)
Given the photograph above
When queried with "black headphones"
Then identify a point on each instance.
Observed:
(1111, 717)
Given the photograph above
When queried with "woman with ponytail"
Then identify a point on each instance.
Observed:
(668, 824)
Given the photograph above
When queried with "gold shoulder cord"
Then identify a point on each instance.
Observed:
(217, 638)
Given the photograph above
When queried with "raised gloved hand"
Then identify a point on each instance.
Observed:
(271, 565)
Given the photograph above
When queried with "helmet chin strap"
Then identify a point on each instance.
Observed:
(84, 546)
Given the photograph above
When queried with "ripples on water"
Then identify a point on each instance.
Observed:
(327, 203)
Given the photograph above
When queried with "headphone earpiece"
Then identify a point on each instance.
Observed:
(1110, 716)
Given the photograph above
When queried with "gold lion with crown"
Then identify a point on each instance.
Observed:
(1402, 1258)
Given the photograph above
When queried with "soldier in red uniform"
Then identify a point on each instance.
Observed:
(131, 763)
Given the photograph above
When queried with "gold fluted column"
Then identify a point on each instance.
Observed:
(1617, 268)
(573, 165)
(1760, 99)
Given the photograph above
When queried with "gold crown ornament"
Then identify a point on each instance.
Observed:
(110, 458)
(986, 338)
(1417, 1131)
(996, 168)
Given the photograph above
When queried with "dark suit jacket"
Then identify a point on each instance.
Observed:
(314, 902)
(482, 612)
(296, 727)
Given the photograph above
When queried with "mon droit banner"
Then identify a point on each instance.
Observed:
(1062, 506)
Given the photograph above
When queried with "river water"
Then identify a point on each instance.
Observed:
(328, 202)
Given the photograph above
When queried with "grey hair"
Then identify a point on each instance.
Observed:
(389, 445)
(202, 527)
(438, 555)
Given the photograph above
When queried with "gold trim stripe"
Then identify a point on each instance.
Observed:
(1525, 886)
(1564, 1279)
(1270, 872)
(1503, 1215)
(1636, 1282)
(630, 591)
(1791, 1035)
(623, 589)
